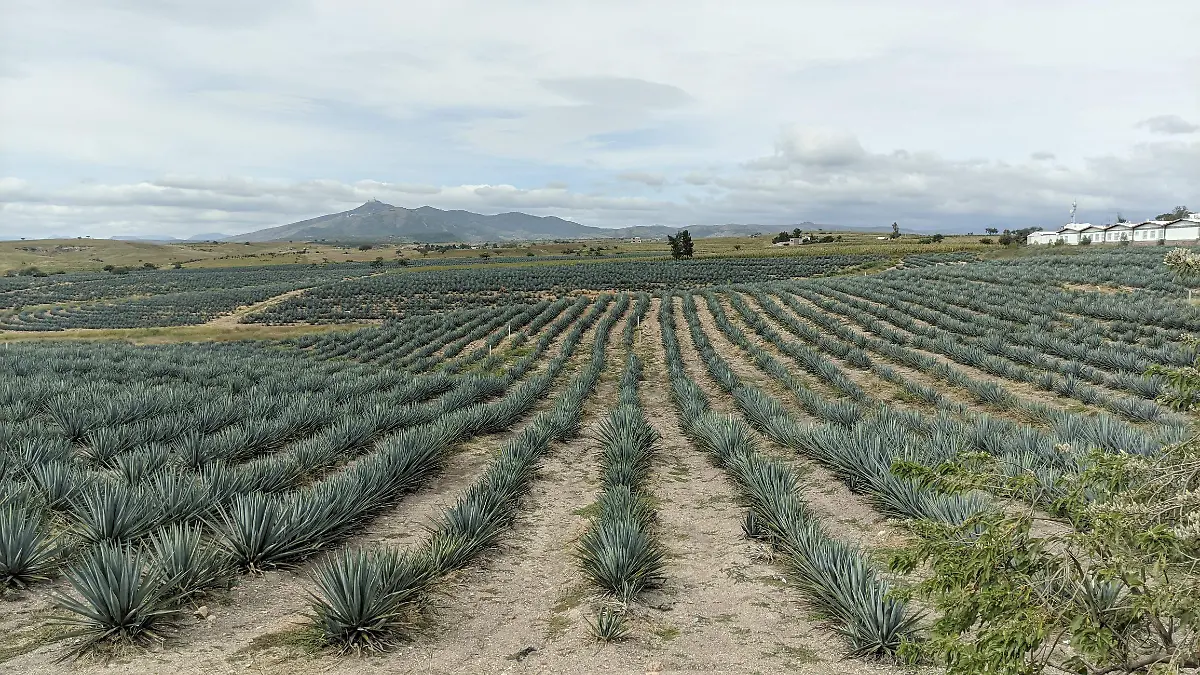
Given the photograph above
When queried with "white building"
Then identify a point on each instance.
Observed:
(1183, 230)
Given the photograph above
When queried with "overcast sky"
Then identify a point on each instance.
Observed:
(187, 116)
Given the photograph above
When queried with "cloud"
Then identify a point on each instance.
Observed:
(644, 177)
(1167, 124)
(621, 92)
(1042, 156)
(828, 178)
(811, 147)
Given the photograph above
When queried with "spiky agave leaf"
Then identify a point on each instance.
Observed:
(119, 599)
(27, 552)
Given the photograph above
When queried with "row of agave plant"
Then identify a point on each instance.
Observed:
(1054, 309)
(367, 598)
(836, 576)
(1105, 431)
(866, 467)
(1026, 321)
(1048, 278)
(230, 523)
(1048, 456)
(619, 552)
(964, 350)
(387, 296)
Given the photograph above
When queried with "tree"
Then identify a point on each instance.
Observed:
(797, 233)
(1121, 219)
(1174, 214)
(986, 240)
(937, 238)
(895, 231)
(681, 245)
(1005, 239)
(991, 230)
(782, 236)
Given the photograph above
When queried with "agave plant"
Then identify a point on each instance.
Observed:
(186, 564)
(111, 511)
(119, 599)
(27, 552)
(621, 557)
(609, 626)
(365, 598)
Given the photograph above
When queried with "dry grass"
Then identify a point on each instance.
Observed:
(74, 255)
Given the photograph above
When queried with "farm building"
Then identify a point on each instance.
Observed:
(1148, 232)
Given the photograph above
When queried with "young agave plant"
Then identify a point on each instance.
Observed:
(27, 553)
(609, 626)
(119, 600)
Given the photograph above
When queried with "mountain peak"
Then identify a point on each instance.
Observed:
(372, 205)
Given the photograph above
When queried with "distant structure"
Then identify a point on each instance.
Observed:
(1149, 232)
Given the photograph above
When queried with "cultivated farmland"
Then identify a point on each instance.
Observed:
(817, 464)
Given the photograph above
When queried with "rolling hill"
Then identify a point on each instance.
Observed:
(380, 222)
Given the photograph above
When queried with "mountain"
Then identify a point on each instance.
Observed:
(377, 221)
(149, 239)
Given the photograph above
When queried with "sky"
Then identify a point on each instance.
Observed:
(181, 117)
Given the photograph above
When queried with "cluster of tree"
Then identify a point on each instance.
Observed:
(681, 245)
(935, 239)
(809, 239)
(125, 269)
(1010, 236)
(1174, 214)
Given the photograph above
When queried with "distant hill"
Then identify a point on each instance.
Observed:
(164, 239)
(377, 221)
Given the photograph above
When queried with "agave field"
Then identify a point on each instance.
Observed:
(815, 465)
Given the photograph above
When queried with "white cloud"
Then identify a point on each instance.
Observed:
(644, 177)
(1168, 124)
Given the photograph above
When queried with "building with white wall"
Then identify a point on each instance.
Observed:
(1182, 230)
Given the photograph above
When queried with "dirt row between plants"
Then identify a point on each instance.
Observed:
(725, 607)
(846, 515)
